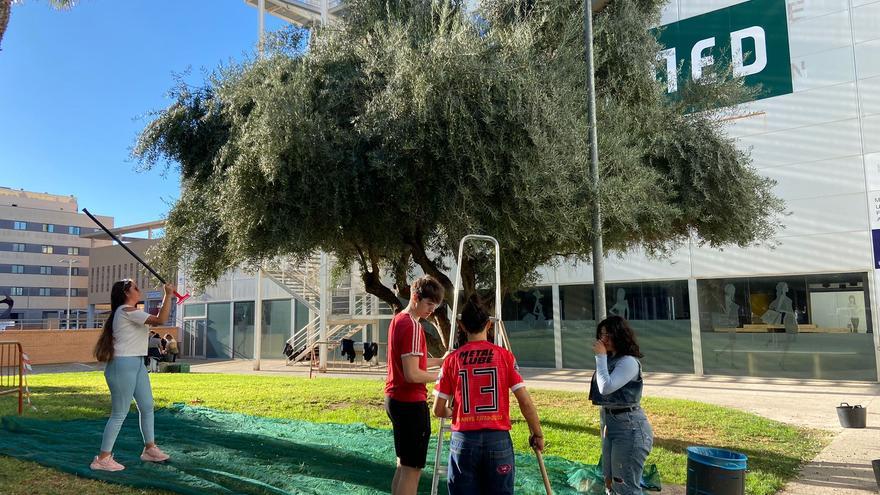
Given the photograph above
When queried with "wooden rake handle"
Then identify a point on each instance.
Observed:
(540, 457)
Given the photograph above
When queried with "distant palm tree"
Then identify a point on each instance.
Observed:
(6, 9)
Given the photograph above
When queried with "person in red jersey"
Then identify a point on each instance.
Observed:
(476, 378)
(405, 393)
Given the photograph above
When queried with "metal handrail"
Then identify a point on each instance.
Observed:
(50, 323)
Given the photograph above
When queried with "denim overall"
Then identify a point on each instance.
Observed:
(626, 435)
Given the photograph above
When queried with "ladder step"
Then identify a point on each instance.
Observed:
(441, 470)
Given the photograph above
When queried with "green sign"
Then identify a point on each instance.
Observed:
(752, 36)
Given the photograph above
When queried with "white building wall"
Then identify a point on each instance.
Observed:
(809, 141)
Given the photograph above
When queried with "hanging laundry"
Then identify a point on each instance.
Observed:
(348, 349)
(371, 349)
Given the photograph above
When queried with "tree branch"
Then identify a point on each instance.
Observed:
(373, 284)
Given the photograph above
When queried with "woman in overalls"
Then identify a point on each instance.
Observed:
(616, 388)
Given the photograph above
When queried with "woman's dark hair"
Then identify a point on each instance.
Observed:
(474, 315)
(104, 347)
(621, 335)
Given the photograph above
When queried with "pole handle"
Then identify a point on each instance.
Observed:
(180, 298)
(543, 469)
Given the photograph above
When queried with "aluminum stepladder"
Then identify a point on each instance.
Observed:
(440, 467)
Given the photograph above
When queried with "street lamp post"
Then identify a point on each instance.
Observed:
(70, 262)
(598, 252)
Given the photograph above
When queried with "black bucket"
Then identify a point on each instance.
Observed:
(715, 472)
(876, 464)
(852, 416)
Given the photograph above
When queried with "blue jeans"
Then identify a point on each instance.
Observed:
(127, 379)
(481, 462)
(626, 442)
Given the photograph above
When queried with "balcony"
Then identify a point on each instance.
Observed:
(303, 13)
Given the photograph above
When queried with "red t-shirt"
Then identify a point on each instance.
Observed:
(405, 338)
(478, 376)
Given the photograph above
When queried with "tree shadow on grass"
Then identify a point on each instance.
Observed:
(782, 465)
(583, 429)
(56, 402)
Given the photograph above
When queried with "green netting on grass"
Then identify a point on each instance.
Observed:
(214, 452)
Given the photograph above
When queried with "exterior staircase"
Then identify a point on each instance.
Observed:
(350, 308)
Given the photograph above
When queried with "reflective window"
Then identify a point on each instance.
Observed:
(276, 327)
(243, 330)
(219, 344)
(19, 225)
(47, 249)
(193, 310)
(659, 313)
(812, 326)
(17, 247)
(578, 326)
(48, 227)
(17, 269)
(528, 318)
(73, 230)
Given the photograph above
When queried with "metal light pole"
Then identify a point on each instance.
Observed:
(258, 320)
(70, 262)
(598, 252)
(261, 27)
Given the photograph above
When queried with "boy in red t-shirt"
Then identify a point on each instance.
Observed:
(405, 392)
(477, 377)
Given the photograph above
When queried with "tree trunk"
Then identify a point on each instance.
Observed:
(5, 11)
(373, 285)
(401, 284)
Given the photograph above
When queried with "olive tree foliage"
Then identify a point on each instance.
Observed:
(410, 124)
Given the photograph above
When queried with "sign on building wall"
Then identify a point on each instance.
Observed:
(752, 36)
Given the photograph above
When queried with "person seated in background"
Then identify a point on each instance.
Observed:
(171, 349)
(155, 351)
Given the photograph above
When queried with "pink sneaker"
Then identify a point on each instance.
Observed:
(154, 454)
(105, 464)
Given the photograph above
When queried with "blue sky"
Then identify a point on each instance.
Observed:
(76, 87)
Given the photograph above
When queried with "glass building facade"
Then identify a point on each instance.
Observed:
(816, 326)
(794, 326)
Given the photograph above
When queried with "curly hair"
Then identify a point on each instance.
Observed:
(622, 336)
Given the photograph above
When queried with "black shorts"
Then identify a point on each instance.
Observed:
(412, 431)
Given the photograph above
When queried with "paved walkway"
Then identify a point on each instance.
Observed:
(842, 468)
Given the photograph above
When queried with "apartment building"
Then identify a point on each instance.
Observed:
(111, 262)
(42, 255)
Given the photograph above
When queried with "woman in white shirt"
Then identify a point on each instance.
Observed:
(123, 345)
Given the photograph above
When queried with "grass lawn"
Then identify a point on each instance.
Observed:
(570, 424)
